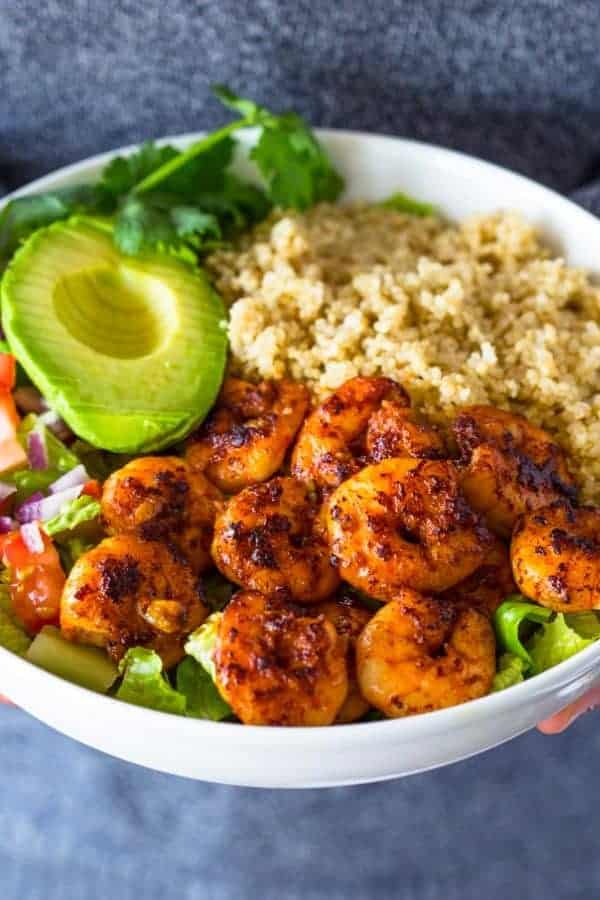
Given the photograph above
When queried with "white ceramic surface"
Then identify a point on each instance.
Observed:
(374, 167)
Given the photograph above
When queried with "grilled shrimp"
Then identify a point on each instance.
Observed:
(420, 653)
(277, 665)
(404, 522)
(269, 538)
(128, 592)
(246, 437)
(349, 617)
(396, 430)
(330, 446)
(489, 585)
(510, 466)
(161, 498)
(555, 553)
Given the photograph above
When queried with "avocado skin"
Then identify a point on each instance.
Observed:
(131, 404)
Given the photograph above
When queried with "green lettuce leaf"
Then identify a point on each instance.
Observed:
(203, 700)
(510, 622)
(557, 641)
(201, 643)
(511, 670)
(74, 513)
(403, 203)
(199, 679)
(144, 683)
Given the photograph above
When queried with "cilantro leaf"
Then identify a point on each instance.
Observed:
(24, 215)
(123, 173)
(296, 168)
(161, 220)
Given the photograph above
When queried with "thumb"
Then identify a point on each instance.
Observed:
(559, 722)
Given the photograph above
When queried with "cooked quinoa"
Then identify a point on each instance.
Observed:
(478, 312)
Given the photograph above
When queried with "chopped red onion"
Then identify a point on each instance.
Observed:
(75, 477)
(32, 537)
(6, 524)
(29, 510)
(6, 490)
(29, 399)
(36, 451)
(52, 505)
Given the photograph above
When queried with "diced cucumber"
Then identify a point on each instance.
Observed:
(89, 667)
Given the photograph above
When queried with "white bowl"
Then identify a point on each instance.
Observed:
(374, 167)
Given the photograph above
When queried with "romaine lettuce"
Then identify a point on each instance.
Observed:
(144, 683)
(511, 670)
(203, 700)
(74, 513)
(558, 640)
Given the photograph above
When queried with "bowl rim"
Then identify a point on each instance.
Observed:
(424, 724)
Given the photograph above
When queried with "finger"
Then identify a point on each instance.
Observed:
(5, 700)
(557, 723)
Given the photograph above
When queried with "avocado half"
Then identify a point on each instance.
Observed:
(129, 351)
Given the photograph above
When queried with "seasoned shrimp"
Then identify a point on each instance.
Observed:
(404, 522)
(331, 444)
(269, 538)
(555, 553)
(510, 466)
(349, 617)
(489, 585)
(396, 430)
(128, 592)
(245, 438)
(277, 665)
(161, 498)
(420, 653)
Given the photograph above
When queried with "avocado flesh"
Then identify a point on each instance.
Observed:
(129, 351)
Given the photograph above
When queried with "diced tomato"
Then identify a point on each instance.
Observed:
(36, 581)
(9, 417)
(12, 455)
(92, 488)
(8, 372)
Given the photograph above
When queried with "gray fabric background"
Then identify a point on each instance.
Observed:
(517, 83)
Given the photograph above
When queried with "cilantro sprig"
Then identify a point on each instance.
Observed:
(188, 201)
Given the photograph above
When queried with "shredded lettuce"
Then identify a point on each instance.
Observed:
(403, 203)
(144, 683)
(203, 700)
(74, 513)
(556, 641)
(534, 638)
(511, 670)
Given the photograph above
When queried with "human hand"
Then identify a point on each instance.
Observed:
(559, 722)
